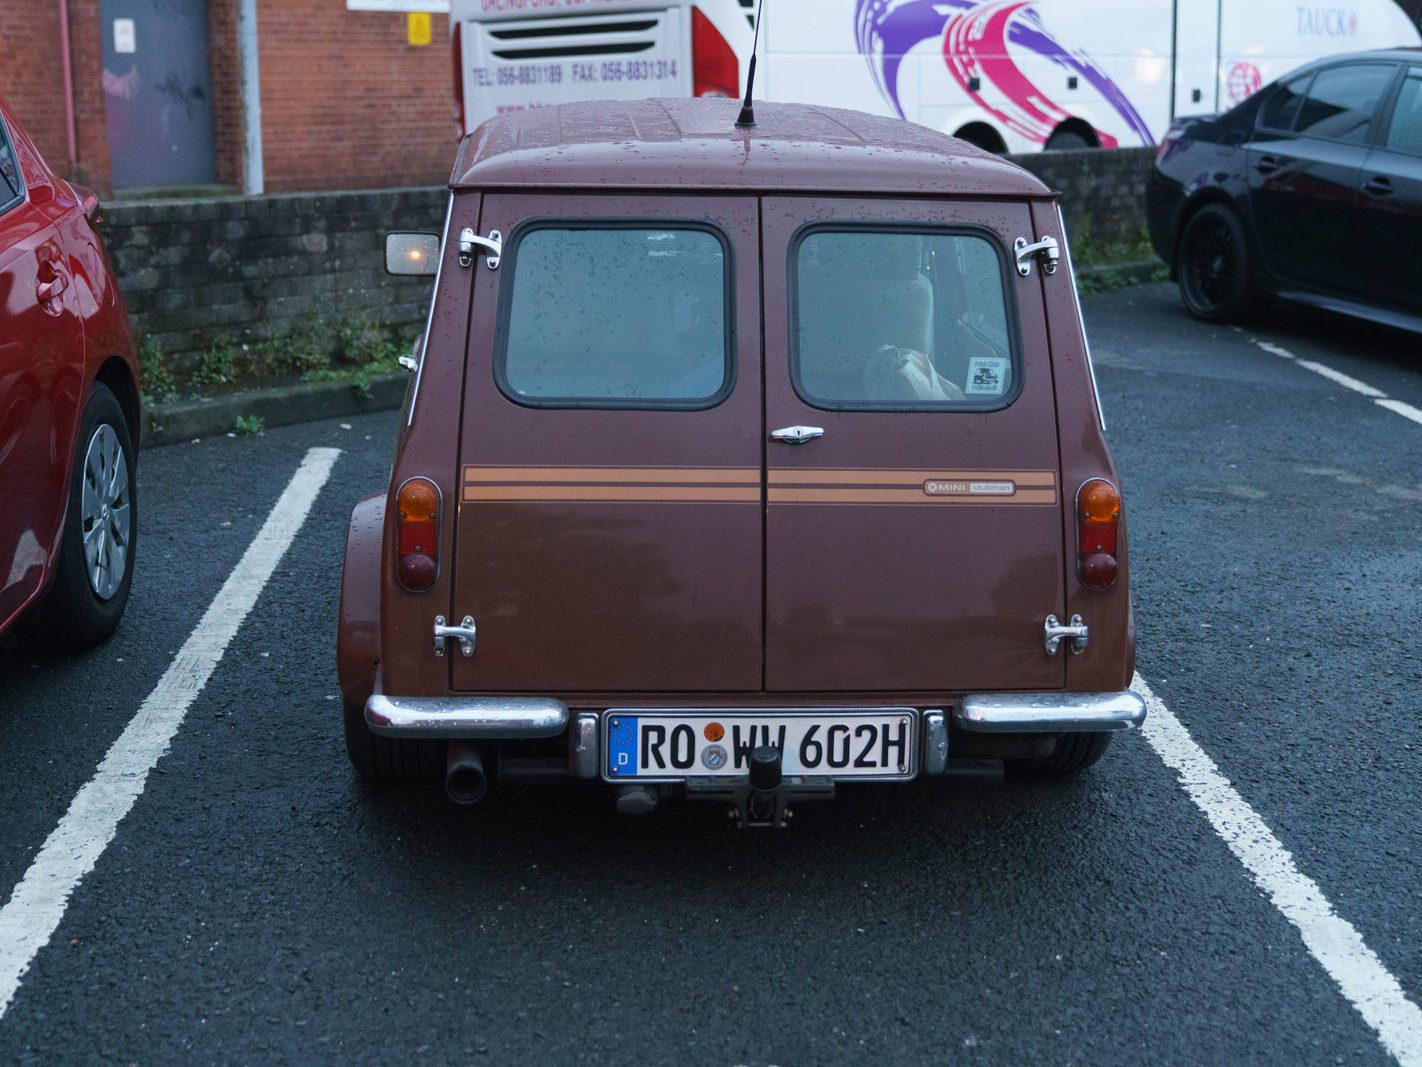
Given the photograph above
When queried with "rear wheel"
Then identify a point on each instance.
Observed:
(1067, 141)
(1212, 265)
(1073, 752)
(379, 758)
(96, 550)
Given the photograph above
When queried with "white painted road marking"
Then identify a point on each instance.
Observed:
(1407, 411)
(37, 906)
(1359, 974)
(1373, 393)
(1342, 379)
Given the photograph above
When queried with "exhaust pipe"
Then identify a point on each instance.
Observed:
(464, 779)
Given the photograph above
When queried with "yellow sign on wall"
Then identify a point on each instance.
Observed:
(417, 27)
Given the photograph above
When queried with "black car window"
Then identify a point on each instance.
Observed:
(617, 317)
(1282, 107)
(1404, 134)
(901, 320)
(11, 187)
(1342, 100)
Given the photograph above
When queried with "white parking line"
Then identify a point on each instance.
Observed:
(1342, 379)
(37, 906)
(1373, 393)
(1357, 971)
(1407, 411)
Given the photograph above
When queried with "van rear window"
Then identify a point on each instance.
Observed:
(901, 320)
(616, 317)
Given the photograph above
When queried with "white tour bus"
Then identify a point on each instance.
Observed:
(1014, 75)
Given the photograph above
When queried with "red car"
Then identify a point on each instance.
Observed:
(69, 409)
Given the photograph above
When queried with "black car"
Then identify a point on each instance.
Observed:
(1310, 190)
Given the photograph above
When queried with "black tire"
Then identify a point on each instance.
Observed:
(1073, 753)
(1212, 264)
(390, 759)
(72, 614)
(1066, 141)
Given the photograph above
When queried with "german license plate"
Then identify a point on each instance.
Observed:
(672, 745)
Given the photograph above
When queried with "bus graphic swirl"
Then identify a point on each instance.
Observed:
(975, 37)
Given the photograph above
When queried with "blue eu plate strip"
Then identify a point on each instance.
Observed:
(622, 746)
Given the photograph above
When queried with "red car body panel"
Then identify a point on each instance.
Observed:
(51, 352)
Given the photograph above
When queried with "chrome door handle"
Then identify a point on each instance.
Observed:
(797, 435)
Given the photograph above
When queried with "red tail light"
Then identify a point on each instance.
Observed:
(1098, 518)
(715, 71)
(418, 549)
(456, 51)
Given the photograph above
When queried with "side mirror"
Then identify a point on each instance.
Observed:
(411, 253)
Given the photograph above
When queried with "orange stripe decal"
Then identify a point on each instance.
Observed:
(844, 476)
(796, 495)
(742, 485)
(613, 475)
(613, 493)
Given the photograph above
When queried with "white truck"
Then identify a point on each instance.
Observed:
(1008, 75)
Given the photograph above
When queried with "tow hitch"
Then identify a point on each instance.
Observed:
(762, 798)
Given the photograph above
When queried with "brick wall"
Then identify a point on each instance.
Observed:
(32, 83)
(226, 70)
(250, 268)
(1103, 193)
(347, 103)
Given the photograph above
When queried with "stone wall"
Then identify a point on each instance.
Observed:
(246, 269)
(1103, 193)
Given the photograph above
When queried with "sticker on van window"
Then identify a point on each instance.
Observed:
(987, 376)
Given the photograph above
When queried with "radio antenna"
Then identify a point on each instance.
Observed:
(747, 117)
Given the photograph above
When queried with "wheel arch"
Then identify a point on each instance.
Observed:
(358, 622)
(984, 135)
(1081, 128)
(116, 374)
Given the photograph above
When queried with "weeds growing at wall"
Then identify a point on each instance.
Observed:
(340, 345)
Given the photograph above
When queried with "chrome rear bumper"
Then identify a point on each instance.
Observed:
(467, 718)
(1048, 713)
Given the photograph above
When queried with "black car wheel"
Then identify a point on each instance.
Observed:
(1212, 265)
(1067, 141)
(388, 759)
(96, 549)
(1073, 752)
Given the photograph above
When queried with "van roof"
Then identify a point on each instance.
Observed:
(693, 144)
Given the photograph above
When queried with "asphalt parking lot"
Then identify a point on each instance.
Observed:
(259, 904)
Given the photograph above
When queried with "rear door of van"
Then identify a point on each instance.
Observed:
(609, 528)
(914, 504)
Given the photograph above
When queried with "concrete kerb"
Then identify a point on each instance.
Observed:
(177, 421)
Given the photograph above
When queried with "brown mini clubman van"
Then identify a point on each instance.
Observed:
(741, 462)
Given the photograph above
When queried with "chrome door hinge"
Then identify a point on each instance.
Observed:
(1077, 633)
(466, 633)
(493, 247)
(1047, 248)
